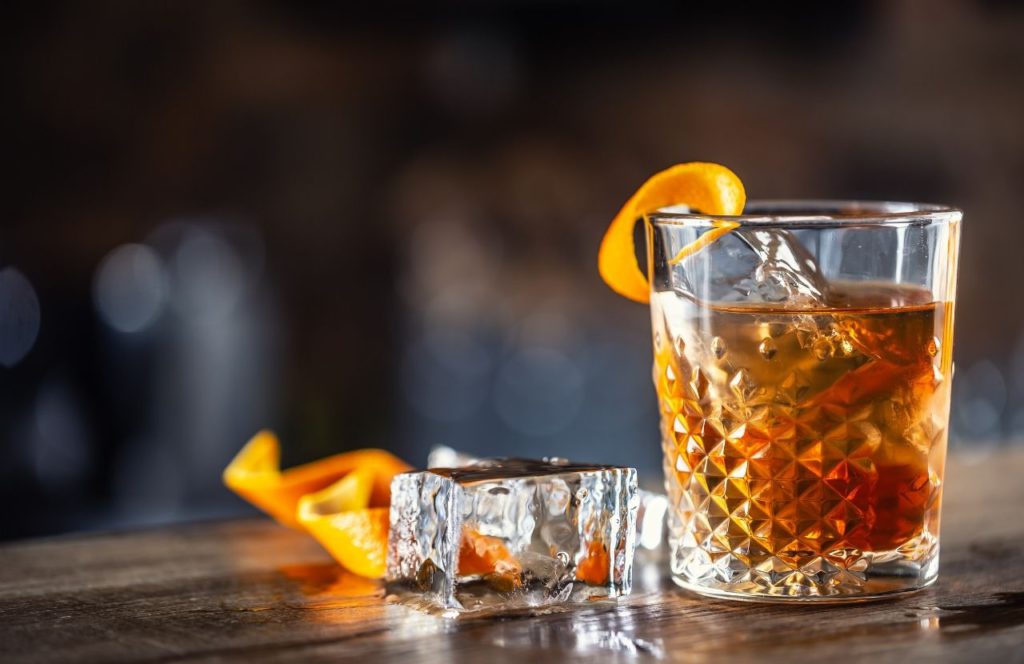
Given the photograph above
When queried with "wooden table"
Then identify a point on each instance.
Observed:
(250, 590)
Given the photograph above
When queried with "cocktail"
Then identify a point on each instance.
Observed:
(803, 360)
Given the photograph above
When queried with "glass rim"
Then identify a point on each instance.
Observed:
(817, 213)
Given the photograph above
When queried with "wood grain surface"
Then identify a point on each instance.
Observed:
(253, 591)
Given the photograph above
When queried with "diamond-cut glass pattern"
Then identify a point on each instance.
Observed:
(791, 471)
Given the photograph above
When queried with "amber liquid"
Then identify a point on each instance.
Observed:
(800, 435)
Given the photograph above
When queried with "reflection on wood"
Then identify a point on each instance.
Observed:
(251, 590)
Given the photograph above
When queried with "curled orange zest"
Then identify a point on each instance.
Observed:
(339, 518)
(709, 188)
(255, 475)
(356, 538)
(593, 569)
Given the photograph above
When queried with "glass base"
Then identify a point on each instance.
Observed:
(884, 575)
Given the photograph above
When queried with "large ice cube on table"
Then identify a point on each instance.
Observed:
(506, 534)
(650, 516)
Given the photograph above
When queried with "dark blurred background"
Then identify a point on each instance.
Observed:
(379, 227)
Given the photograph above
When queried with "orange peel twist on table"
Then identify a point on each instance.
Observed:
(341, 500)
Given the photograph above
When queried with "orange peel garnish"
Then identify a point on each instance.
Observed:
(710, 188)
(358, 540)
(339, 517)
(255, 475)
(340, 500)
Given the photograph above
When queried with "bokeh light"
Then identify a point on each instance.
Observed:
(979, 400)
(62, 455)
(207, 275)
(19, 316)
(130, 288)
